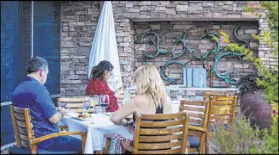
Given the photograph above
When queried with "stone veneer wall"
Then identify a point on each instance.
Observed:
(79, 20)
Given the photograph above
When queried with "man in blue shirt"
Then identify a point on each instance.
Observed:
(32, 94)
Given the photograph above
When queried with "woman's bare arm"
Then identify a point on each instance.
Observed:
(127, 109)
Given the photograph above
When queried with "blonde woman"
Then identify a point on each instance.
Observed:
(151, 96)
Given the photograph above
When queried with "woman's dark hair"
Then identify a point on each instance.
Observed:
(36, 63)
(99, 70)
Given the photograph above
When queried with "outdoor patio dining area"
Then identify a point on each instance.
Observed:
(139, 77)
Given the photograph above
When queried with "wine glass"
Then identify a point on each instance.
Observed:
(104, 102)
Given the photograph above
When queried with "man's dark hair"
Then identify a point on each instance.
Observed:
(99, 70)
(35, 64)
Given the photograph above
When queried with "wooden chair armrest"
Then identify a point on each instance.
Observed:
(127, 146)
(190, 127)
(63, 127)
(46, 137)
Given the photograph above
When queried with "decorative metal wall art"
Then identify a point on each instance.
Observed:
(217, 52)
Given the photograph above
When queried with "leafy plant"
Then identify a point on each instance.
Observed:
(241, 138)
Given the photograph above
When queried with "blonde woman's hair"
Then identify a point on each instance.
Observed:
(148, 82)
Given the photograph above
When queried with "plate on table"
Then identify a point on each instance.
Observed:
(82, 117)
(109, 114)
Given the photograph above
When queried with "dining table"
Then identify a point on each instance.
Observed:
(98, 127)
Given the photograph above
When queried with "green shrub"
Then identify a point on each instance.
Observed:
(238, 139)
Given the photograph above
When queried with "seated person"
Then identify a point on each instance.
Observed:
(151, 98)
(32, 94)
(98, 84)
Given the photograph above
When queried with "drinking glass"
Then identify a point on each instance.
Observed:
(86, 104)
(98, 109)
(179, 95)
(93, 102)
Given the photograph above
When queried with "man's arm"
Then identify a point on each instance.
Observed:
(47, 107)
(58, 116)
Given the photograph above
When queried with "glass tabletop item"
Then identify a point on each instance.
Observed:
(102, 104)
(127, 96)
(86, 104)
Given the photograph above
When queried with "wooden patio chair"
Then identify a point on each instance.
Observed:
(73, 104)
(198, 120)
(24, 134)
(222, 110)
(159, 134)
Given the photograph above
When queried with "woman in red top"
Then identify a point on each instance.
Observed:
(98, 84)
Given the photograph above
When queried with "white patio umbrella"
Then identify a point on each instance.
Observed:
(104, 46)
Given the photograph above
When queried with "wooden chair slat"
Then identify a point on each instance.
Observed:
(74, 105)
(161, 124)
(215, 93)
(197, 103)
(161, 131)
(223, 103)
(162, 116)
(195, 115)
(172, 151)
(22, 131)
(159, 138)
(189, 108)
(21, 124)
(24, 137)
(19, 116)
(197, 122)
(70, 100)
(226, 112)
(220, 108)
(19, 110)
(194, 133)
(222, 98)
(152, 146)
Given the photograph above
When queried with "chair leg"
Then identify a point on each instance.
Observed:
(206, 145)
(99, 152)
(107, 147)
(202, 144)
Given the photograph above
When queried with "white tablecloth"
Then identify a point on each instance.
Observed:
(97, 127)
